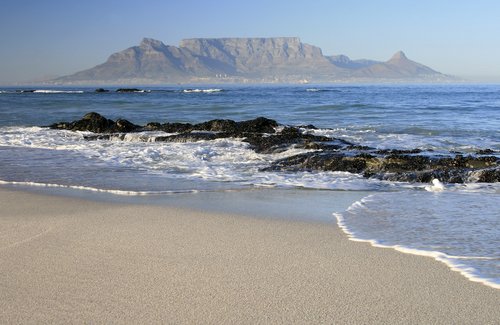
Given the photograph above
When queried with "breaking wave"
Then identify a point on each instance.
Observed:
(206, 91)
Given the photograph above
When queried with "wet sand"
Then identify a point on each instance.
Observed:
(70, 260)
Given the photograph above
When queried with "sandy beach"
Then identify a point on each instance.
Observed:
(70, 260)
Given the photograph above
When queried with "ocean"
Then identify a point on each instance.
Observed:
(459, 225)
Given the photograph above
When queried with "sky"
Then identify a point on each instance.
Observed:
(45, 39)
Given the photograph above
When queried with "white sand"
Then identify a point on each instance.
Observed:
(65, 260)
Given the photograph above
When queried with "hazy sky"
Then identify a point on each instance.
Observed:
(40, 39)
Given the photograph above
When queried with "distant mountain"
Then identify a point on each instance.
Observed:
(280, 59)
(344, 61)
(398, 67)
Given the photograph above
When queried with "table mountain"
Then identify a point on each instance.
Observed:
(279, 59)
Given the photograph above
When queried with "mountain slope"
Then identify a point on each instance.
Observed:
(151, 60)
(344, 61)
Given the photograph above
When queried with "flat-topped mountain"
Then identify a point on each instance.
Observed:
(279, 59)
(259, 57)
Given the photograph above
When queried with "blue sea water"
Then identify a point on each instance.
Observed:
(459, 226)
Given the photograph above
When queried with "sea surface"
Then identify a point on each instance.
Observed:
(459, 225)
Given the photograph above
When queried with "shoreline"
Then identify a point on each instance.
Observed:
(436, 255)
(67, 259)
(268, 203)
(258, 203)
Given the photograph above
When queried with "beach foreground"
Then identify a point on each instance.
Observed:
(69, 260)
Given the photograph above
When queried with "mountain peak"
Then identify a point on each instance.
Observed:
(399, 55)
(150, 42)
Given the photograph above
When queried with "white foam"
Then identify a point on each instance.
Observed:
(221, 160)
(436, 186)
(99, 190)
(376, 137)
(315, 90)
(218, 160)
(208, 91)
(50, 91)
(493, 188)
(449, 260)
(147, 136)
(318, 180)
(487, 188)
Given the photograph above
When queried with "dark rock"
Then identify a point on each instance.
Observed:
(330, 146)
(485, 152)
(232, 128)
(489, 175)
(358, 147)
(101, 90)
(169, 127)
(395, 163)
(281, 141)
(94, 122)
(108, 136)
(189, 137)
(406, 168)
(129, 90)
(218, 126)
(397, 152)
(125, 126)
(258, 125)
(307, 127)
(153, 126)
(320, 161)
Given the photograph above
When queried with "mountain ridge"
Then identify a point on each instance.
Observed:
(244, 60)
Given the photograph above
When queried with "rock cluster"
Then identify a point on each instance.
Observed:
(327, 154)
(397, 167)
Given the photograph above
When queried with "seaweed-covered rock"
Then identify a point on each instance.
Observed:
(169, 127)
(125, 126)
(258, 125)
(281, 141)
(322, 161)
(407, 168)
(487, 175)
(129, 90)
(188, 137)
(485, 152)
(229, 126)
